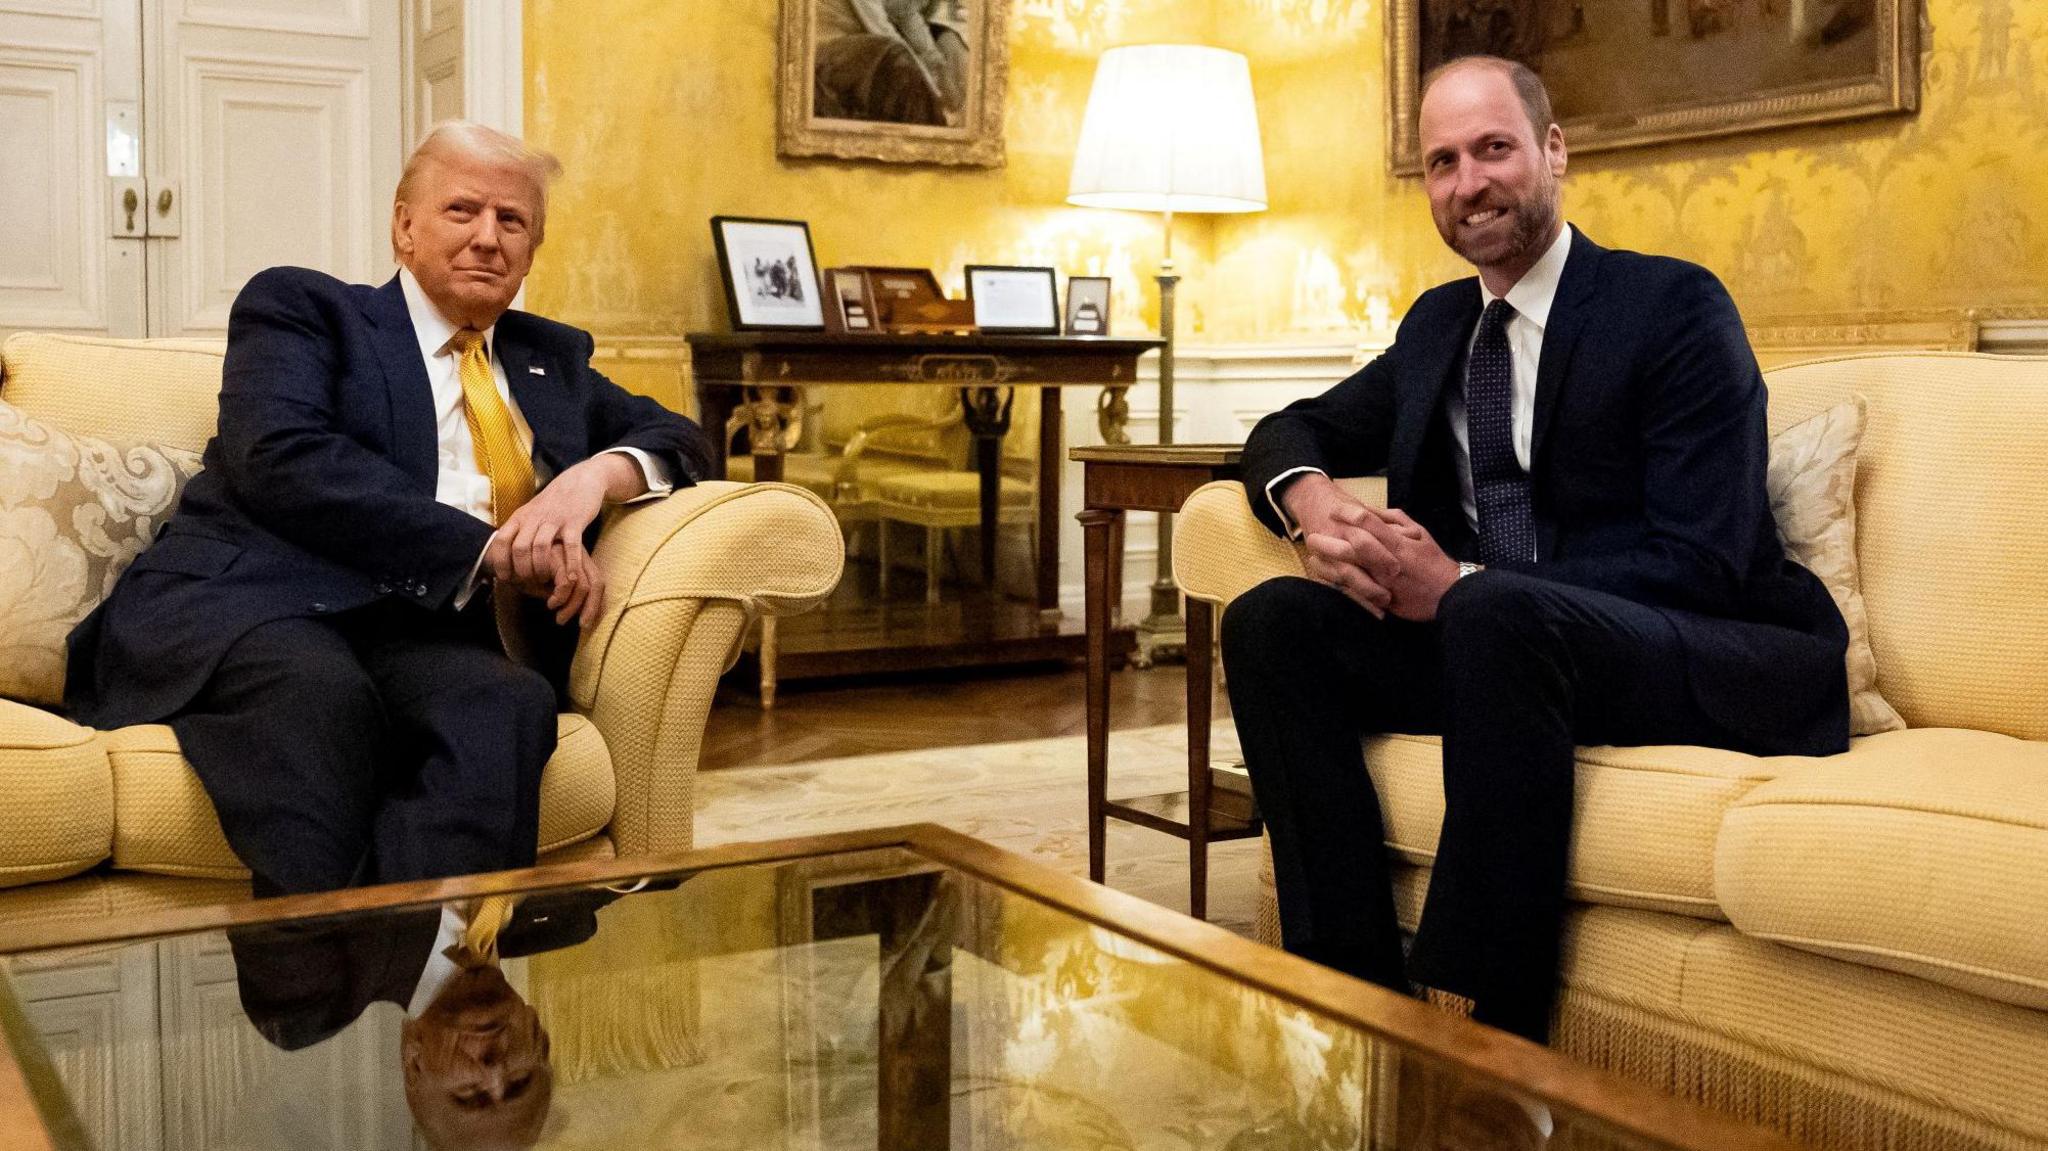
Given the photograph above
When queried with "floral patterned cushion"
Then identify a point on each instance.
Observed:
(1812, 485)
(74, 512)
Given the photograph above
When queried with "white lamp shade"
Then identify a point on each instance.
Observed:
(1170, 127)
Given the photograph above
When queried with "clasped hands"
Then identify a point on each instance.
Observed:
(1379, 557)
(539, 549)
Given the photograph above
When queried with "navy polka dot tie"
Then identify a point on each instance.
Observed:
(1499, 485)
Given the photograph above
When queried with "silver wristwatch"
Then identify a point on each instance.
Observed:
(1467, 567)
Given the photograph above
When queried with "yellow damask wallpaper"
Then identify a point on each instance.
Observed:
(664, 115)
(1934, 211)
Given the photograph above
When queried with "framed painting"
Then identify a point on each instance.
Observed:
(1625, 73)
(900, 81)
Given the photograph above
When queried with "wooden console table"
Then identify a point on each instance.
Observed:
(755, 372)
(1151, 478)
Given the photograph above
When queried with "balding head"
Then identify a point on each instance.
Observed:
(1492, 173)
(1528, 86)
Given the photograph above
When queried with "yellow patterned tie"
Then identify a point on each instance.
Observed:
(479, 943)
(502, 459)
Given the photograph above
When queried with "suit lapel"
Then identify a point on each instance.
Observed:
(1422, 391)
(541, 393)
(415, 443)
(1568, 314)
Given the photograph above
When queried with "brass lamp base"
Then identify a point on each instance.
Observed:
(1163, 634)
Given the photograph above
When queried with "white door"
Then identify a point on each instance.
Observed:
(249, 132)
(275, 129)
(68, 68)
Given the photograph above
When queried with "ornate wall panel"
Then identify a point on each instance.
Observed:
(271, 138)
(50, 273)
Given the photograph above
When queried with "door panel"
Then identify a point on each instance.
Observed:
(62, 64)
(278, 123)
(270, 174)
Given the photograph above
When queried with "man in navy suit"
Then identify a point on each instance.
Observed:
(1579, 549)
(324, 622)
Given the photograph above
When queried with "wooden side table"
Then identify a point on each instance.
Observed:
(757, 372)
(1150, 478)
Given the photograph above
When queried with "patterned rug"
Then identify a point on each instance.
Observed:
(1029, 797)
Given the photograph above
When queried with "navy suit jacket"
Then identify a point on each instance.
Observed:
(318, 490)
(1646, 477)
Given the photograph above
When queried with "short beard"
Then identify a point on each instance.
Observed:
(1534, 219)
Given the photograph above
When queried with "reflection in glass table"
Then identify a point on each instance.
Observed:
(902, 989)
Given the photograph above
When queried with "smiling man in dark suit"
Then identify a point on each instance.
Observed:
(1579, 549)
(401, 477)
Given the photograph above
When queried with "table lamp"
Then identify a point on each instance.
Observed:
(1169, 128)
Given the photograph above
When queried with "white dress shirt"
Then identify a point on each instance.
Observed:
(1531, 298)
(460, 482)
(440, 966)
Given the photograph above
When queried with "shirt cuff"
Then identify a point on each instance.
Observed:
(651, 470)
(476, 571)
(1273, 498)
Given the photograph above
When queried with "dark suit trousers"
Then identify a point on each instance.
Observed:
(1513, 673)
(374, 746)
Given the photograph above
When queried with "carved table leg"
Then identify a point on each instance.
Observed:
(987, 413)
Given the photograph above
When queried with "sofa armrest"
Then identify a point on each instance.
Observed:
(685, 577)
(1221, 551)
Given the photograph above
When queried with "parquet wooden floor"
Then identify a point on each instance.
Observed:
(826, 722)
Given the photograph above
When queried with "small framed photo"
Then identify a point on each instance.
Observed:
(1087, 305)
(770, 273)
(850, 302)
(1024, 301)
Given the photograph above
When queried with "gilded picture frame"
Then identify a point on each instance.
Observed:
(1630, 73)
(895, 81)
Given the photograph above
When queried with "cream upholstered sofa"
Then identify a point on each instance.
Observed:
(1853, 949)
(120, 818)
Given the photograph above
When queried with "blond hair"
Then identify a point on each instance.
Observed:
(469, 139)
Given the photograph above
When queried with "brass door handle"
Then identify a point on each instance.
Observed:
(129, 202)
(163, 202)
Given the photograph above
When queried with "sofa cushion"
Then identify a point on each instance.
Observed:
(164, 823)
(58, 818)
(75, 511)
(1956, 444)
(1862, 1048)
(1921, 851)
(155, 391)
(1644, 823)
(1812, 487)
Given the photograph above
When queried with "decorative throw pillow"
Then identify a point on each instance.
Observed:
(74, 512)
(1812, 486)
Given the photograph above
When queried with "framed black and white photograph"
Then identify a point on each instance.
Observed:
(1023, 301)
(770, 274)
(1088, 305)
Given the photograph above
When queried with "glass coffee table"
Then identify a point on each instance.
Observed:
(905, 988)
